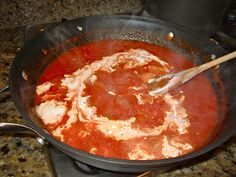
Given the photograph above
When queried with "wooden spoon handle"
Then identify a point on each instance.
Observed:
(176, 79)
(218, 61)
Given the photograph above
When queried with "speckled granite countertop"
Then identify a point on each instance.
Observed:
(23, 156)
(15, 13)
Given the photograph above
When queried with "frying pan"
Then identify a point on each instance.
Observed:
(36, 54)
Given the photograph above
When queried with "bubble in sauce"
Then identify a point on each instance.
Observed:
(44, 51)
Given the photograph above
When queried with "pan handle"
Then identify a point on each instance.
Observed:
(4, 89)
(18, 128)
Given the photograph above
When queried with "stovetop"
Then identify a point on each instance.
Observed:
(63, 165)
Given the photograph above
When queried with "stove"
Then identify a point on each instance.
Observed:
(64, 166)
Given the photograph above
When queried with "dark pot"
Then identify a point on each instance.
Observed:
(202, 16)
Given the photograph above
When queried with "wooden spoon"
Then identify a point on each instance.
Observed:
(163, 84)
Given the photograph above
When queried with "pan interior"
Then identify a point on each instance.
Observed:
(177, 45)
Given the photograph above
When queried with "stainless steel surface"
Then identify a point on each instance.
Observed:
(4, 89)
(18, 128)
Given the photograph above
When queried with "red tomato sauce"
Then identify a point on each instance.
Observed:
(200, 102)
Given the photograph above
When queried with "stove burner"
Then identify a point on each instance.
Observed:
(87, 169)
(64, 166)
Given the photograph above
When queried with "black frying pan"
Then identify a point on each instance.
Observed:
(32, 61)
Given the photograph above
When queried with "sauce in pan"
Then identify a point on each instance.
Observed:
(94, 97)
